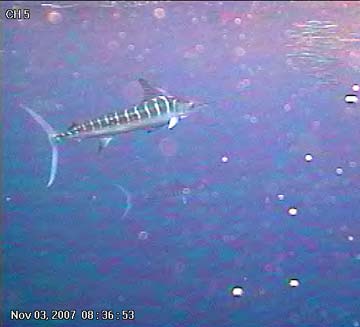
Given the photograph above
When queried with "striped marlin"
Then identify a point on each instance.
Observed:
(157, 109)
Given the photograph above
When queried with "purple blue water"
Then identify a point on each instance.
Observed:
(245, 214)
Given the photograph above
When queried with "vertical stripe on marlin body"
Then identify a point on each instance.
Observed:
(157, 109)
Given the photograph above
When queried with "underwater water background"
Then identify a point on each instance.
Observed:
(260, 190)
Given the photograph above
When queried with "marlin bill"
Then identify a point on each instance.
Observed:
(157, 109)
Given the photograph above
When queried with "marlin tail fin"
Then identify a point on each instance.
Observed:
(51, 136)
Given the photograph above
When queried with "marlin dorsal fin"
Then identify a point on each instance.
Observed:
(73, 125)
(149, 90)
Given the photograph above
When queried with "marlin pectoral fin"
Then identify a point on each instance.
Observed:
(150, 91)
(173, 122)
(103, 143)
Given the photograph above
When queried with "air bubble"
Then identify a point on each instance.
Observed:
(293, 211)
(351, 98)
(237, 291)
(339, 171)
(237, 21)
(224, 159)
(253, 120)
(294, 282)
(308, 157)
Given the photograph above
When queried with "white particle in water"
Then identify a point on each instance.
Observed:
(308, 157)
(287, 107)
(356, 87)
(316, 124)
(199, 48)
(139, 58)
(339, 171)
(8, 199)
(281, 197)
(131, 47)
(179, 267)
(237, 291)
(293, 211)
(186, 190)
(116, 15)
(143, 235)
(122, 35)
(159, 13)
(294, 282)
(350, 238)
(215, 194)
(112, 45)
(54, 17)
(244, 83)
(224, 159)
(239, 51)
